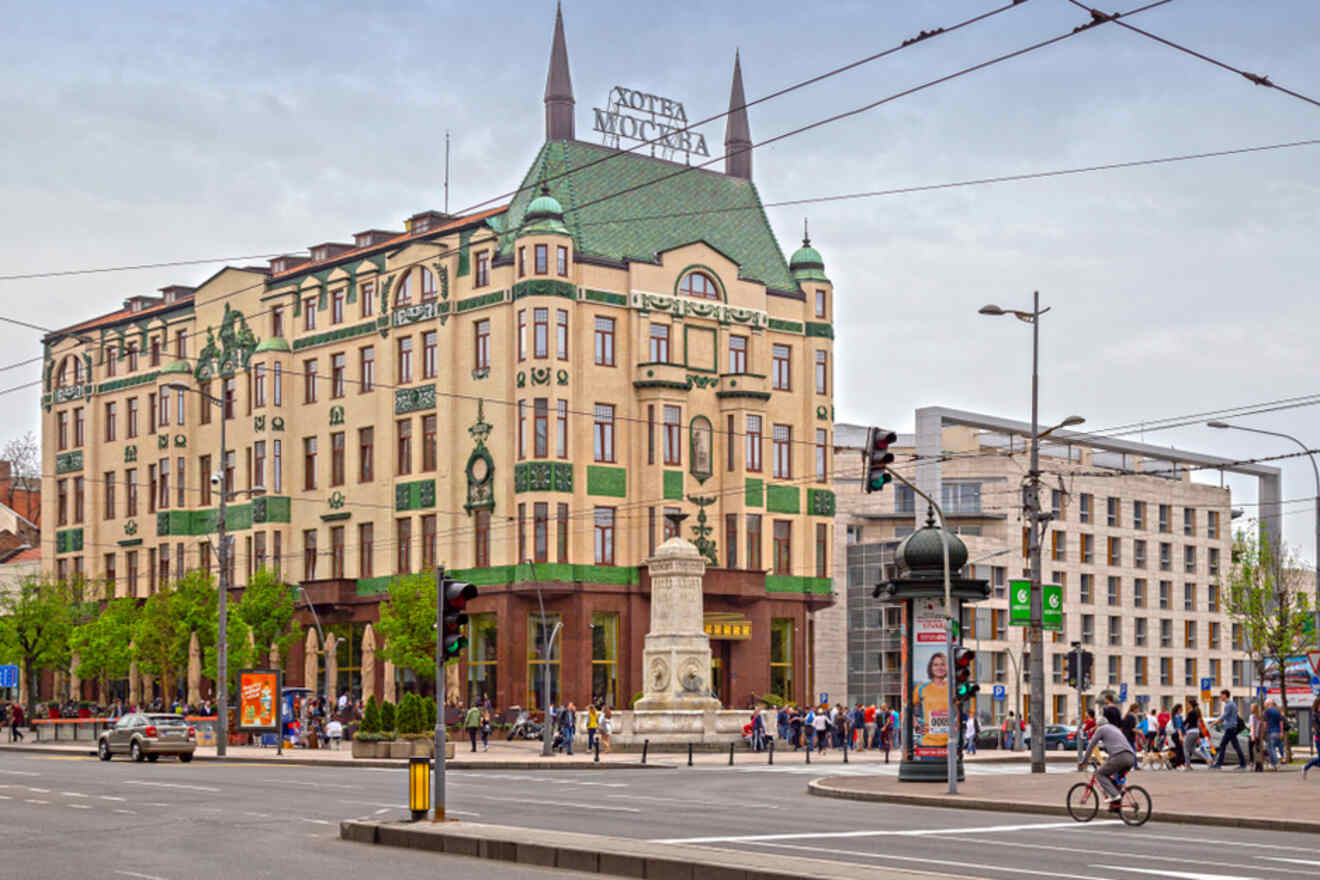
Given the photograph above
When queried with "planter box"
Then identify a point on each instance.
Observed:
(365, 749)
(423, 748)
(398, 749)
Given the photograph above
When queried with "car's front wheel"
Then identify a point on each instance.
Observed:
(185, 757)
(135, 751)
(103, 750)
(153, 758)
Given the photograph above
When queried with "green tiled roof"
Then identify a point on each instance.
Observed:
(606, 229)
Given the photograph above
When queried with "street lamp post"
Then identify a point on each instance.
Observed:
(1034, 520)
(222, 553)
(1314, 467)
(547, 721)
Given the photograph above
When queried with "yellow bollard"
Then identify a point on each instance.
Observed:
(419, 787)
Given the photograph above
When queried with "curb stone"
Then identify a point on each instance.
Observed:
(823, 788)
(610, 855)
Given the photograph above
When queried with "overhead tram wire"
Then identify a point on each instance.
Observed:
(925, 36)
(775, 139)
(1254, 78)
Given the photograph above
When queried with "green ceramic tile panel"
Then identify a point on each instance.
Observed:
(673, 485)
(820, 502)
(754, 492)
(780, 583)
(783, 499)
(604, 296)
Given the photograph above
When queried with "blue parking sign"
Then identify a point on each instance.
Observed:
(1122, 692)
(824, 696)
(1206, 684)
(1000, 692)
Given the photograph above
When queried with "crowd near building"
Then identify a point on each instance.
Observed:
(533, 395)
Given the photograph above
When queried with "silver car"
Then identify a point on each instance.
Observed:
(147, 737)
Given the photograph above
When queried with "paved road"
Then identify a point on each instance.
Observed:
(206, 820)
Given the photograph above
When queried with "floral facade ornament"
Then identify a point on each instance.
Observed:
(231, 352)
(480, 470)
(337, 500)
(701, 529)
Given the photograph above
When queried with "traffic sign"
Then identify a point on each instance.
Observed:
(824, 696)
(1206, 684)
(1122, 692)
(1000, 692)
(8, 676)
(1019, 608)
(1019, 603)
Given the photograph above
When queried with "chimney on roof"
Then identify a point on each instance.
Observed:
(737, 133)
(285, 263)
(328, 250)
(558, 87)
(177, 292)
(426, 221)
(373, 237)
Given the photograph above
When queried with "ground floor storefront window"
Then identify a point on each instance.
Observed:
(483, 671)
(540, 652)
(605, 657)
(781, 657)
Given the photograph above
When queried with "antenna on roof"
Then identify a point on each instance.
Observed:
(806, 239)
(446, 171)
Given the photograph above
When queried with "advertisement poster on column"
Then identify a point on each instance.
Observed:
(258, 700)
(930, 681)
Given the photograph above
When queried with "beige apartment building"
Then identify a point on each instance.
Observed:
(525, 395)
(1139, 547)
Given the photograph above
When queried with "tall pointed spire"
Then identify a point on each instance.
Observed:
(737, 133)
(558, 86)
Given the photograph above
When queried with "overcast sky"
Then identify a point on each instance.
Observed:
(141, 132)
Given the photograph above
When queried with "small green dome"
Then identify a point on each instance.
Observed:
(544, 215)
(179, 366)
(544, 205)
(273, 343)
(806, 263)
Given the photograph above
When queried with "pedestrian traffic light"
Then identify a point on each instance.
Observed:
(1088, 664)
(878, 459)
(964, 686)
(1073, 663)
(455, 595)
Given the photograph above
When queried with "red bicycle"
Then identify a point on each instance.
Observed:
(1085, 798)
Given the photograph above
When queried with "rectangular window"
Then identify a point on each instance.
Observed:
(1189, 672)
(603, 517)
(338, 367)
(822, 372)
(132, 357)
(659, 343)
(737, 354)
(482, 269)
(1189, 597)
(132, 419)
(276, 466)
(540, 532)
(1112, 506)
(1166, 588)
(604, 654)
(80, 427)
(1189, 560)
(259, 385)
(604, 341)
(153, 419)
(1139, 553)
(561, 333)
(522, 262)
(650, 433)
(782, 368)
(1088, 548)
(603, 433)
(1139, 632)
(368, 298)
(162, 417)
(1138, 514)
(1139, 592)
(481, 538)
(781, 658)
(1115, 551)
(541, 427)
(309, 554)
(131, 567)
(429, 366)
(482, 333)
(155, 351)
(1084, 507)
(259, 463)
(1087, 589)
(522, 334)
(1213, 561)
(540, 333)
(403, 446)
(366, 549)
(1214, 635)
(1114, 591)
(337, 454)
(337, 306)
(541, 257)
(1059, 546)
(731, 539)
(672, 445)
(309, 379)
(109, 422)
(1212, 524)
(561, 533)
(403, 545)
(822, 550)
(822, 452)
(309, 463)
(79, 493)
(309, 314)
(753, 443)
(1088, 629)
(428, 541)
(561, 428)
(754, 541)
(429, 431)
(522, 429)
(1212, 597)
(62, 431)
(1164, 517)
(336, 551)
(108, 508)
(783, 452)
(180, 497)
(1166, 633)
(561, 261)
(111, 361)
(1166, 556)
(277, 321)
(276, 389)
(820, 304)
(1189, 522)
(404, 367)
(162, 484)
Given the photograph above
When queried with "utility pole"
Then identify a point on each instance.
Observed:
(222, 642)
(439, 802)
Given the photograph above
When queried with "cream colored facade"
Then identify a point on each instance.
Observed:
(1141, 559)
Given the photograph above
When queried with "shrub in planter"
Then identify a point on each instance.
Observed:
(371, 720)
(387, 716)
(428, 712)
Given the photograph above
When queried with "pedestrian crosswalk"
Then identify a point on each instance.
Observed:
(834, 768)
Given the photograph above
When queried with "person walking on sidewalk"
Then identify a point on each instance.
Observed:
(886, 729)
(1191, 731)
(821, 724)
(1315, 735)
(472, 721)
(568, 726)
(1256, 738)
(485, 730)
(1233, 725)
(1273, 734)
(15, 722)
(606, 728)
(869, 728)
(969, 734)
(1008, 730)
(593, 724)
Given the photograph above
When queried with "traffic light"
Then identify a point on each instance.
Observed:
(1026, 667)
(1073, 662)
(964, 686)
(878, 459)
(1088, 664)
(455, 595)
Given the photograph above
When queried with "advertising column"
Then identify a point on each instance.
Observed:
(929, 673)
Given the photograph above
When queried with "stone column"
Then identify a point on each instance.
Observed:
(310, 666)
(676, 657)
(387, 695)
(331, 669)
(368, 663)
(194, 671)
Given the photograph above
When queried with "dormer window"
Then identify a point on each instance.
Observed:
(699, 284)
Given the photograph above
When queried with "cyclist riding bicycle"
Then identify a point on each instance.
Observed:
(1121, 757)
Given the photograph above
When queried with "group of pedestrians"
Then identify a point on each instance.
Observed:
(598, 722)
(823, 726)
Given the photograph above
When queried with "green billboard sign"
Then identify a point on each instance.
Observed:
(1019, 605)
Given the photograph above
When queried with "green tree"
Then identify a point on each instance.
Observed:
(35, 622)
(156, 645)
(387, 719)
(195, 605)
(407, 623)
(104, 643)
(371, 721)
(1264, 599)
(267, 607)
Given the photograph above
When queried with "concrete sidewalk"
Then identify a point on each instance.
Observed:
(1279, 801)
(618, 856)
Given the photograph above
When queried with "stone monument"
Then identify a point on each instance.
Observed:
(676, 656)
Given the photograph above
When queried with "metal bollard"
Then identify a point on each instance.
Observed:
(597, 744)
(730, 754)
(645, 743)
(845, 753)
(772, 751)
(808, 755)
(689, 754)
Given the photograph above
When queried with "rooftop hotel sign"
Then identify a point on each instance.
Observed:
(638, 116)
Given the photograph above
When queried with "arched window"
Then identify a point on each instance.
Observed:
(403, 296)
(428, 284)
(699, 284)
(62, 376)
(70, 372)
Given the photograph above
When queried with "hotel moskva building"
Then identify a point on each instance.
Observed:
(525, 395)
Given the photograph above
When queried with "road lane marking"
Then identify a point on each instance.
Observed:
(154, 804)
(1181, 875)
(1220, 842)
(382, 810)
(78, 806)
(523, 800)
(1294, 861)
(129, 812)
(39, 790)
(107, 797)
(19, 773)
(171, 785)
(74, 794)
(5, 797)
(314, 821)
(35, 801)
(943, 863)
(258, 815)
(914, 832)
(1182, 859)
(140, 876)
